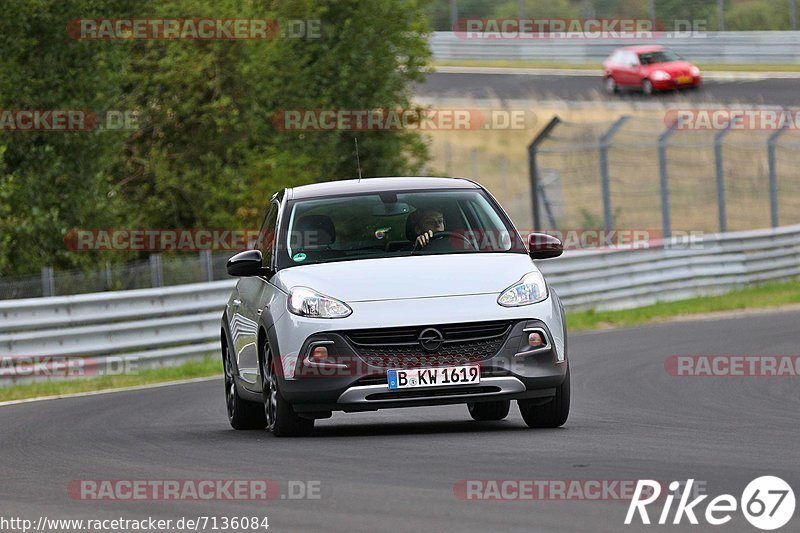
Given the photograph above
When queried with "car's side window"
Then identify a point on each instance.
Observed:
(266, 237)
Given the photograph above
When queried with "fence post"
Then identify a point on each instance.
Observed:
(533, 170)
(48, 282)
(156, 273)
(205, 261)
(663, 139)
(773, 175)
(721, 207)
(108, 275)
(605, 181)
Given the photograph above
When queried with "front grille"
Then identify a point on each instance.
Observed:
(400, 347)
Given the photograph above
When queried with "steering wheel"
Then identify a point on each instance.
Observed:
(440, 235)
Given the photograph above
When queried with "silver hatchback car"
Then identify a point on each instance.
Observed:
(392, 292)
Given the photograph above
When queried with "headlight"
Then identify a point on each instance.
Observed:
(660, 75)
(695, 71)
(529, 290)
(308, 302)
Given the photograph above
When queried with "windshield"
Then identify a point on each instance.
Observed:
(395, 224)
(661, 56)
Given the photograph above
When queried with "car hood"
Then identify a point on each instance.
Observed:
(672, 67)
(421, 276)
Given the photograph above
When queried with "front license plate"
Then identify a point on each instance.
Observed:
(684, 79)
(433, 377)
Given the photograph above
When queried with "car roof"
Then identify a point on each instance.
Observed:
(643, 48)
(370, 185)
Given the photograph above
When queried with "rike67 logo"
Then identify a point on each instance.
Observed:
(767, 503)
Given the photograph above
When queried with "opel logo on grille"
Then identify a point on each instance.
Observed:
(431, 339)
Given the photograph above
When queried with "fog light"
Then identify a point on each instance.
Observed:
(319, 354)
(535, 340)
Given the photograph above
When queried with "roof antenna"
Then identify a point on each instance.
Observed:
(358, 160)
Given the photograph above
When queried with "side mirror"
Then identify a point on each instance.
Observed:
(544, 246)
(247, 263)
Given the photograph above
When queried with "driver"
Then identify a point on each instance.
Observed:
(428, 221)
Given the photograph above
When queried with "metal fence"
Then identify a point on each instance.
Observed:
(169, 325)
(761, 47)
(628, 173)
(504, 174)
(148, 326)
(157, 271)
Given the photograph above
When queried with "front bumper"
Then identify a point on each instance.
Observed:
(672, 84)
(510, 372)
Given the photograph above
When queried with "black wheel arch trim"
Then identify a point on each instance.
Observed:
(265, 327)
(239, 383)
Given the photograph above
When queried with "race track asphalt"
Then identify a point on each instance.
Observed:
(396, 470)
(774, 92)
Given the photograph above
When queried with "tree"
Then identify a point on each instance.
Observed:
(208, 153)
(205, 152)
(53, 181)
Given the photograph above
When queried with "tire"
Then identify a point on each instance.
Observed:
(241, 413)
(552, 414)
(484, 411)
(280, 418)
(610, 85)
(647, 87)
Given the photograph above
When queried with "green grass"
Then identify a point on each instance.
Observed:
(210, 366)
(762, 296)
(515, 63)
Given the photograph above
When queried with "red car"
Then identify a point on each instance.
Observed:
(649, 68)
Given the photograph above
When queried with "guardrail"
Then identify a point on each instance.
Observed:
(167, 325)
(149, 326)
(674, 269)
(712, 47)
